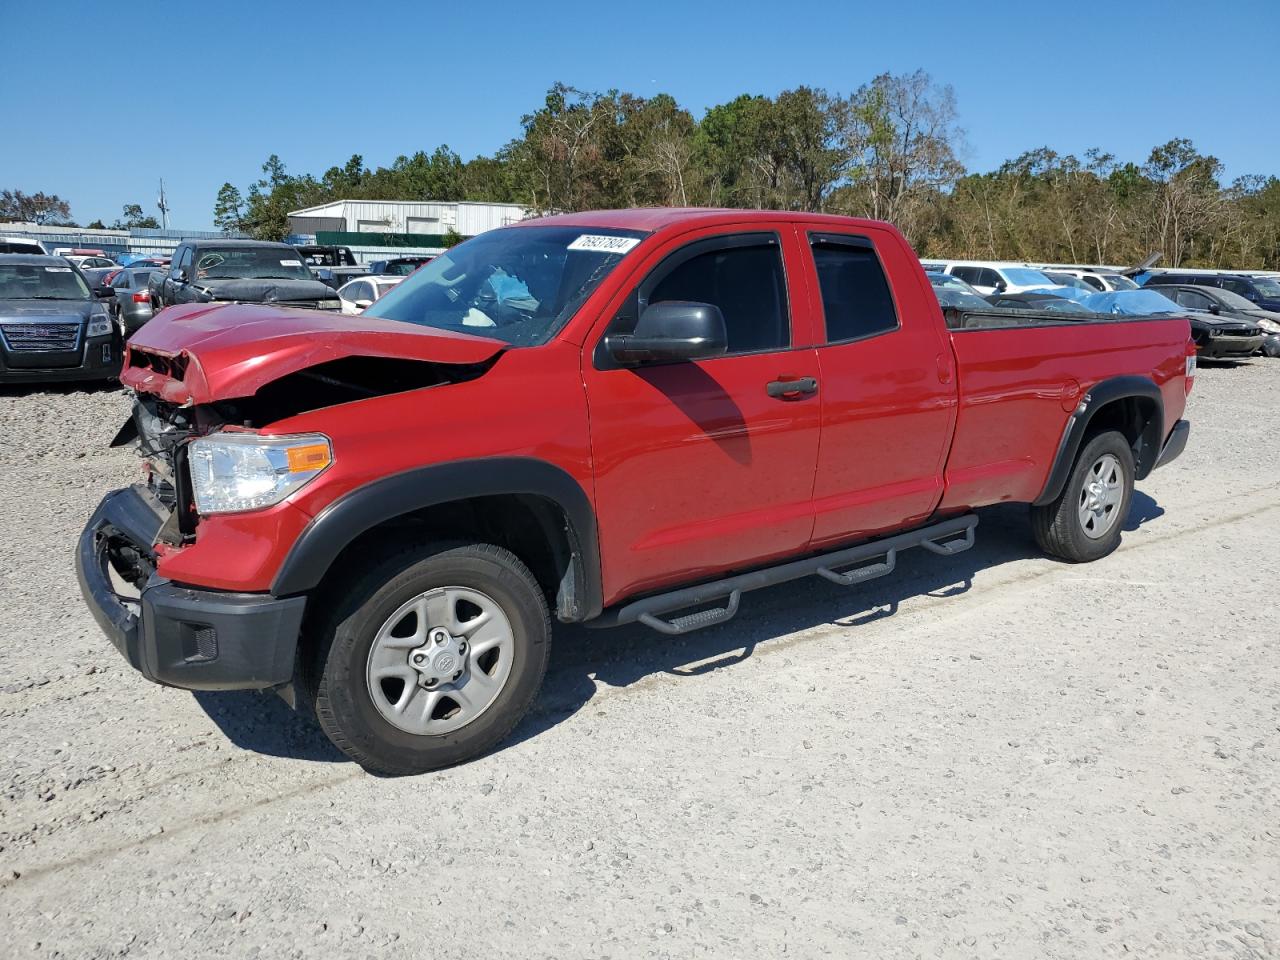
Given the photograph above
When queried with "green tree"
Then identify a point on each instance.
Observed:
(40, 208)
(228, 209)
(132, 216)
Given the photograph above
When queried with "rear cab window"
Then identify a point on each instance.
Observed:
(856, 300)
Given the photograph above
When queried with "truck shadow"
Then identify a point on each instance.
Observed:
(582, 658)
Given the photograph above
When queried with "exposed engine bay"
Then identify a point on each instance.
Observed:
(162, 430)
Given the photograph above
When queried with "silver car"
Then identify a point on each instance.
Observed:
(132, 304)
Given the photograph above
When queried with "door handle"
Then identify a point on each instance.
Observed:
(787, 389)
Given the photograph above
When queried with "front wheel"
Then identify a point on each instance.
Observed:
(1085, 521)
(430, 658)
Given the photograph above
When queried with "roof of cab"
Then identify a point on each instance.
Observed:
(653, 219)
(34, 260)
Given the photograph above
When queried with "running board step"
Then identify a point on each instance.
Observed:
(693, 621)
(945, 539)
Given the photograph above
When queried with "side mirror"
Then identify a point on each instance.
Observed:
(363, 303)
(1215, 308)
(180, 276)
(673, 330)
(1001, 286)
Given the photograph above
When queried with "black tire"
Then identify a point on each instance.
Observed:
(1057, 525)
(338, 643)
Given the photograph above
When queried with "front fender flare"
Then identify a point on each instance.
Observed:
(341, 522)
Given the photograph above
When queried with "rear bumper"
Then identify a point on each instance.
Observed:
(1175, 444)
(179, 636)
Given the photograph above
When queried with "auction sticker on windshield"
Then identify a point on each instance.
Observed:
(290, 263)
(602, 244)
(57, 269)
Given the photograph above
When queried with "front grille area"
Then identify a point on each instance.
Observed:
(175, 367)
(41, 337)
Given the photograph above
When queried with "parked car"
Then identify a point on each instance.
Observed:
(615, 416)
(91, 262)
(99, 280)
(1070, 280)
(989, 278)
(333, 265)
(22, 245)
(397, 267)
(1215, 337)
(1037, 301)
(51, 327)
(131, 304)
(1095, 280)
(239, 271)
(358, 294)
(135, 260)
(1264, 291)
(1224, 303)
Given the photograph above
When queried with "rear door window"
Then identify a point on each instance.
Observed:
(856, 300)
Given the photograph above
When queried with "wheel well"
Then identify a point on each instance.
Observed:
(1139, 419)
(533, 528)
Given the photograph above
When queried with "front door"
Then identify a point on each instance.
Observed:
(700, 466)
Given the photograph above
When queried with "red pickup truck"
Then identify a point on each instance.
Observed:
(611, 416)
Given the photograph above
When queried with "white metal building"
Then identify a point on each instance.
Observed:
(405, 216)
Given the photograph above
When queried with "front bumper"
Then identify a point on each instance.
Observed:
(1175, 444)
(180, 636)
(1221, 348)
(99, 360)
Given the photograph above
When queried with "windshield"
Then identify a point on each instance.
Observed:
(958, 299)
(1234, 301)
(946, 280)
(1067, 280)
(1118, 282)
(518, 284)
(21, 281)
(249, 263)
(1267, 287)
(1024, 277)
(403, 268)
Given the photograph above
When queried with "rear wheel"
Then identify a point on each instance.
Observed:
(1085, 521)
(430, 659)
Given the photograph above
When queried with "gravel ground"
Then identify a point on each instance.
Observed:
(987, 755)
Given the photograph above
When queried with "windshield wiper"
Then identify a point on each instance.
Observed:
(47, 297)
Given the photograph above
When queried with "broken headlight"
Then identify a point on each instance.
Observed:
(238, 472)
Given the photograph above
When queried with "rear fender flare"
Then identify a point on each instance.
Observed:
(1146, 451)
(340, 523)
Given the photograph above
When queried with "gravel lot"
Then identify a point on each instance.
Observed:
(988, 755)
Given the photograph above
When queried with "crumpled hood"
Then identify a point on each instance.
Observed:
(265, 291)
(199, 353)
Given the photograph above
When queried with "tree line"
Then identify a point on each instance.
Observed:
(49, 209)
(890, 150)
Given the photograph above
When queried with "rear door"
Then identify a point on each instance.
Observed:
(888, 386)
(699, 466)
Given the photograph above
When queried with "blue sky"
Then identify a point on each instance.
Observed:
(101, 100)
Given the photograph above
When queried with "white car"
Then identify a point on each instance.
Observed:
(22, 245)
(358, 294)
(1103, 280)
(988, 278)
(90, 261)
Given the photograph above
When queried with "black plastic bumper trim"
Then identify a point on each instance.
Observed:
(1175, 444)
(182, 636)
